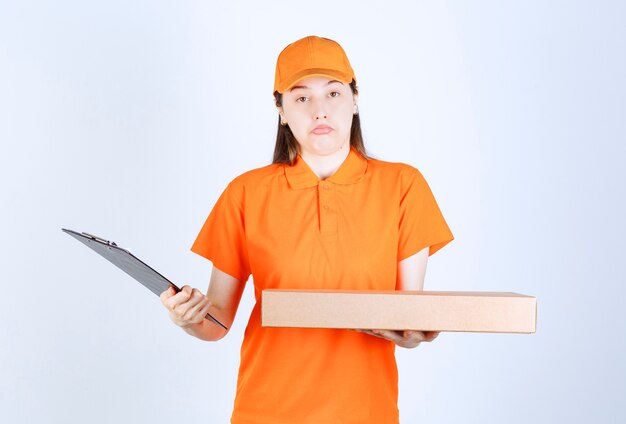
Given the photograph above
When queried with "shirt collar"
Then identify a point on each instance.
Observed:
(300, 175)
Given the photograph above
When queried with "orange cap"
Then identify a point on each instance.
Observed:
(311, 56)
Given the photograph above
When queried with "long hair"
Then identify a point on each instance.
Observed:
(286, 148)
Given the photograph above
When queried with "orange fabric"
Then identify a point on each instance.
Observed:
(311, 56)
(289, 229)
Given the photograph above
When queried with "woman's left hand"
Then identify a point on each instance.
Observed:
(406, 338)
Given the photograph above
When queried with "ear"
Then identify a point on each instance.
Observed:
(281, 114)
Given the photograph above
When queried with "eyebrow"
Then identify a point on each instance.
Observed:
(295, 87)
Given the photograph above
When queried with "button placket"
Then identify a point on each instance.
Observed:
(328, 214)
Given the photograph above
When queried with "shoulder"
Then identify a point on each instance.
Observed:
(256, 178)
(400, 172)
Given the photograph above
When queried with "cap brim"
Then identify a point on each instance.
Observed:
(328, 73)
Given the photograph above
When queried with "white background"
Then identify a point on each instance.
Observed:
(128, 118)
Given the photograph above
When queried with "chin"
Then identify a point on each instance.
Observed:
(326, 150)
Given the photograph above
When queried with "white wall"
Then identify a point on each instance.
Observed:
(127, 119)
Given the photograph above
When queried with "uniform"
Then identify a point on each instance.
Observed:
(289, 229)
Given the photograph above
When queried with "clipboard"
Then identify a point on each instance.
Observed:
(130, 264)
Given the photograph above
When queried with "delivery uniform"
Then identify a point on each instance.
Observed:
(291, 230)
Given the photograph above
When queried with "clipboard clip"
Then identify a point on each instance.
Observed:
(100, 239)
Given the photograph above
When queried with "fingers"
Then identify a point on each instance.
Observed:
(390, 335)
(429, 336)
(205, 309)
(170, 301)
(195, 306)
(167, 294)
(419, 336)
(173, 301)
(188, 306)
(187, 310)
(394, 336)
(406, 338)
(370, 332)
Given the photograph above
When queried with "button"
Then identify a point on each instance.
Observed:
(325, 207)
(326, 186)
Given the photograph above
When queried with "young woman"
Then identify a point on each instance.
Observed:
(323, 215)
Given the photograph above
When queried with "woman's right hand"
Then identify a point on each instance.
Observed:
(188, 307)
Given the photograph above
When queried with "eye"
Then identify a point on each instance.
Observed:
(334, 94)
(301, 99)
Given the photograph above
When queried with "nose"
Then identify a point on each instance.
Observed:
(319, 111)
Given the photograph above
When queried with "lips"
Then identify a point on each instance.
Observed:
(322, 129)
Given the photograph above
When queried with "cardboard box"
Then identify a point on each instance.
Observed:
(493, 312)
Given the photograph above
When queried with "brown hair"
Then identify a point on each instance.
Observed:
(286, 148)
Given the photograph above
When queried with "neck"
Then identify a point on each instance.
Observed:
(327, 165)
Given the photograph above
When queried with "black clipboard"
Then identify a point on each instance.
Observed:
(130, 264)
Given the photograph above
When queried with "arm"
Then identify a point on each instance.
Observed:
(411, 274)
(188, 307)
(412, 271)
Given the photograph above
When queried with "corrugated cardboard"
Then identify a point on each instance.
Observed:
(493, 312)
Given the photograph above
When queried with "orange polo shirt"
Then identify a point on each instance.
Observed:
(289, 229)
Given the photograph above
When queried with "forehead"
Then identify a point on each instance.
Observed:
(316, 82)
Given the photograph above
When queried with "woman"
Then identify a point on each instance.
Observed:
(323, 216)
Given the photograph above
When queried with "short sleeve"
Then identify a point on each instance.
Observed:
(421, 221)
(222, 239)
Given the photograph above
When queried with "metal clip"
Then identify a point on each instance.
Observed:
(100, 239)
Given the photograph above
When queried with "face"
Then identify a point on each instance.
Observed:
(319, 113)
